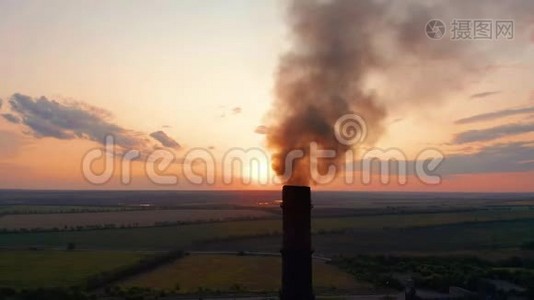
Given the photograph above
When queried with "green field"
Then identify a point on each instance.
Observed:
(184, 236)
(237, 273)
(53, 268)
(171, 237)
(466, 237)
(483, 232)
(406, 220)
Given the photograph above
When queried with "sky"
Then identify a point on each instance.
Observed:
(168, 78)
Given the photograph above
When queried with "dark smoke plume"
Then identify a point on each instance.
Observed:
(340, 46)
(320, 80)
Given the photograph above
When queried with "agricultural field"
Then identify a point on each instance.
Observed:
(408, 220)
(124, 218)
(47, 209)
(232, 273)
(421, 228)
(65, 221)
(160, 238)
(58, 268)
(36, 234)
(470, 238)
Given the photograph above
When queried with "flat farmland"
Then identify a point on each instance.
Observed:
(472, 238)
(407, 220)
(151, 217)
(160, 238)
(184, 236)
(54, 268)
(237, 273)
(124, 218)
(45, 209)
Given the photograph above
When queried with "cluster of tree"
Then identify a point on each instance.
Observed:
(146, 264)
(438, 273)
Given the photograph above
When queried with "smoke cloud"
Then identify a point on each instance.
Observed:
(365, 57)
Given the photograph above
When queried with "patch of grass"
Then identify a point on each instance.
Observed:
(55, 268)
(228, 273)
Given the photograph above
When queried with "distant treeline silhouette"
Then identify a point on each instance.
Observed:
(132, 225)
(149, 263)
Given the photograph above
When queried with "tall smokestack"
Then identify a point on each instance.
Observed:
(296, 250)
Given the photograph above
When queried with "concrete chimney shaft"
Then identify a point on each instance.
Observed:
(296, 247)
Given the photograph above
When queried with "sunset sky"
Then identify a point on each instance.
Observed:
(184, 75)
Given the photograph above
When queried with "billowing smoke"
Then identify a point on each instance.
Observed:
(362, 57)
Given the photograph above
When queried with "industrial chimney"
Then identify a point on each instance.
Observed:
(296, 250)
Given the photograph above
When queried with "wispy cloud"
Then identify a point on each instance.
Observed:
(236, 110)
(226, 111)
(495, 115)
(492, 133)
(510, 157)
(11, 118)
(164, 139)
(499, 158)
(261, 129)
(484, 94)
